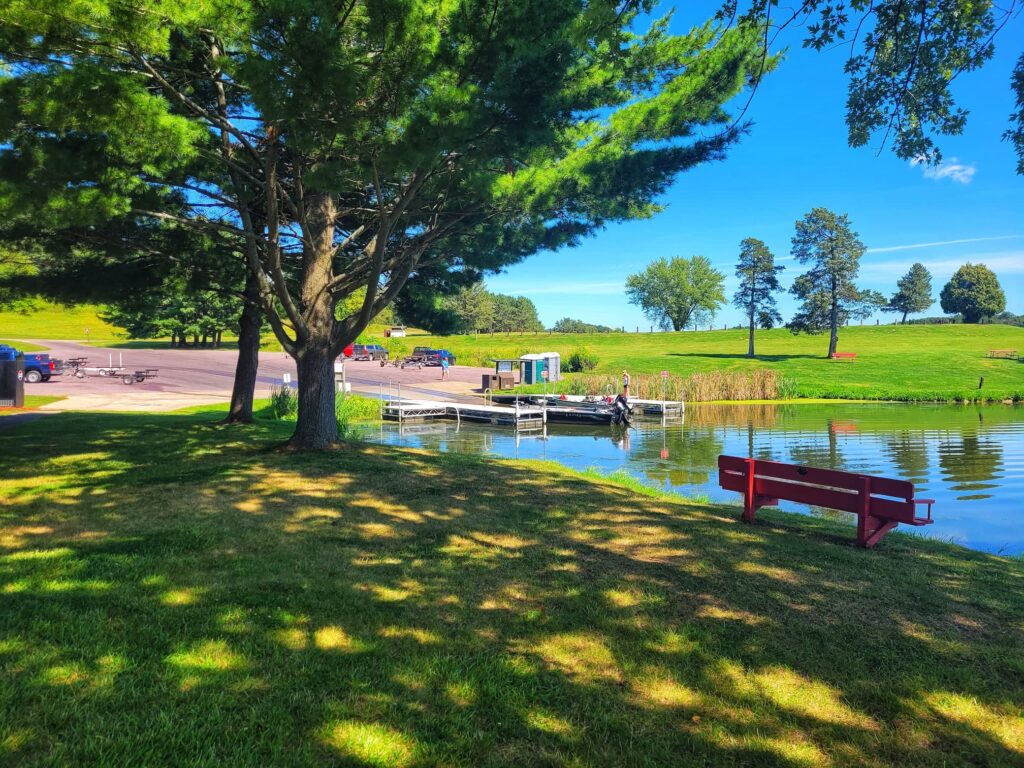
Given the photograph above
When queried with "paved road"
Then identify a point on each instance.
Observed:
(202, 376)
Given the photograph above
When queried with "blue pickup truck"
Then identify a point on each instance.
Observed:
(38, 367)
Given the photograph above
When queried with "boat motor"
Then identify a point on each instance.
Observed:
(621, 411)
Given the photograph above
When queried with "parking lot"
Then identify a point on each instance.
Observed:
(188, 377)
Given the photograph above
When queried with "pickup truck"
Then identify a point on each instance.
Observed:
(431, 356)
(38, 367)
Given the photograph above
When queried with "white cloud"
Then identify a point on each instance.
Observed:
(947, 169)
(913, 246)
(1000, 262)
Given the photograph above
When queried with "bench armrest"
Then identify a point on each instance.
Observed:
(929, 502)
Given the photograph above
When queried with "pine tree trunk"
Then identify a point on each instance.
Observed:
(244, 388)
(904, 320)
(750, 343)
(833, 341)
(317, 425)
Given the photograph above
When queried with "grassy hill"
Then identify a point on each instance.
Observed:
(177, 593)
(908, 362)
(54, 321)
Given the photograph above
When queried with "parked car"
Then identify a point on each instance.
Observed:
(368, 352)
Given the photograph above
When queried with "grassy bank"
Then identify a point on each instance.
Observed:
(175, 592)
(54, 321)
(911, 362)
(23, 346)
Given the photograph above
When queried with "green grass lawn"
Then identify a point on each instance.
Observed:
(38, 401)
(175, 592)
(910, 362)
(55, 321)
(23, 346)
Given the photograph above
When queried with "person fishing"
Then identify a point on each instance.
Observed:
(625, 383)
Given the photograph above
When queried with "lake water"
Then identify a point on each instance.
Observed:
(970, 459)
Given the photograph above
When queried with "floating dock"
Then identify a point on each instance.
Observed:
(524, 412)
(522, 417)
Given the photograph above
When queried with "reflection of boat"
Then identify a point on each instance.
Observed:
(427, 428)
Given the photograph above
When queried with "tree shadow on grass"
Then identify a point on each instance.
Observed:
(175, 593)
(738, 356)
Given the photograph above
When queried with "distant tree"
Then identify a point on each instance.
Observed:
(474, 307)
(913, 292)
(514, 313)
(973, 292)
(1008, 318)
(759, 280)
(827, 291)
(179, 309)
(571, 325)
(678, 292)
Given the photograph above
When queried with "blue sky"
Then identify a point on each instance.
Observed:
(796, 157)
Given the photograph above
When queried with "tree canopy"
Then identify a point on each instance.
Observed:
(676, 293)
(913, 292)
(828, 292)
(759, 282)
(572, 325)
(973, 292)
(902, 61)
(348, 147)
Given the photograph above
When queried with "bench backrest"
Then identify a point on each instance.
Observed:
(832, 488)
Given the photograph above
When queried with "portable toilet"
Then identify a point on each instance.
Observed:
(530, 369)
(553, 365)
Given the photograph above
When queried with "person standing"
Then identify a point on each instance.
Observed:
(444, 368)
(625, 383)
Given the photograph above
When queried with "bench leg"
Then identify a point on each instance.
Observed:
(870, 529)
(749, 496)
(868, 539)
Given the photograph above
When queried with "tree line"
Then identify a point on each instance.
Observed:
(679, 293)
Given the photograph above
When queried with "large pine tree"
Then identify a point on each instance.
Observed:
(349, 147)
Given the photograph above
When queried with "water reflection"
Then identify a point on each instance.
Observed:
(970, 458)
(971, 464)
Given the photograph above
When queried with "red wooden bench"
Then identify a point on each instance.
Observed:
(844, 355)
(880, 503)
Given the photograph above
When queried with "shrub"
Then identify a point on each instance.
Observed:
(284, 403)
(582, 359)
